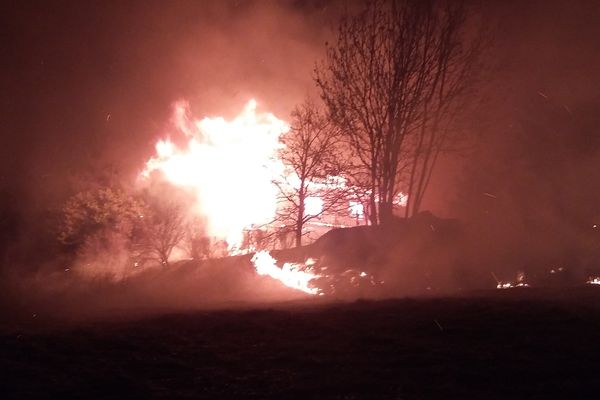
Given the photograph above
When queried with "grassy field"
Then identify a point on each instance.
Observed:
(529, 344)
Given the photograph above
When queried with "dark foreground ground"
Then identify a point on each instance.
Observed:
(528, 344)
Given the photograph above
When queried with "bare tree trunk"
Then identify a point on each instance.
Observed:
(385, 211)
(300, 216)
(373, 207)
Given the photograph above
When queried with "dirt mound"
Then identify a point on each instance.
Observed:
(415, 254)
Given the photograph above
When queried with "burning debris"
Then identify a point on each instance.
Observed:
(593, 280)
(518, 283)
(313, 277)
(510, 285)
(296, 276)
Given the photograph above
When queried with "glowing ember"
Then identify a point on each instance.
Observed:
(510, 285)
(594, 281)
(228, 165)
(291, 275)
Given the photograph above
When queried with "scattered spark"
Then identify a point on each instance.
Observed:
(495, 277)
(438, 325)
(544, 95)
(490, 195)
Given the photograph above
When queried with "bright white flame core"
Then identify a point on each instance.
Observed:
(313, 205)
(356, 209)
(291, 275)
(228, 165)
(594, 281)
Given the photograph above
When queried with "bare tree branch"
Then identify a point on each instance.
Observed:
(389, 83)
(310, 154)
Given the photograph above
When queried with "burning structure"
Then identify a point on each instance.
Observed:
(239, 184)
(233, 171)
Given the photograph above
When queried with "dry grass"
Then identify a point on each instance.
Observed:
(493, 345)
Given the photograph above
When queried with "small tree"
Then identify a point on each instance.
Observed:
(311, 160)
(164, 227)
(100, 212)
(101, 226)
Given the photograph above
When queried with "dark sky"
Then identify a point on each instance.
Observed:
(67, 66)
(539, 86)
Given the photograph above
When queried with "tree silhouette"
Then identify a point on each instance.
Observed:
(311, 184)
(392, 83)
(165, 226)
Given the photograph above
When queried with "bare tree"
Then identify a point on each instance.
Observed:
(388, 83)
(456, 51)
(311, 184)
(165, 227)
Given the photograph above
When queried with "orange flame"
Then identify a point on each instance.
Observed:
(228, 165)
(291, 275)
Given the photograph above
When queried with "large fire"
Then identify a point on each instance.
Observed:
(228, 165)
(232, 170)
